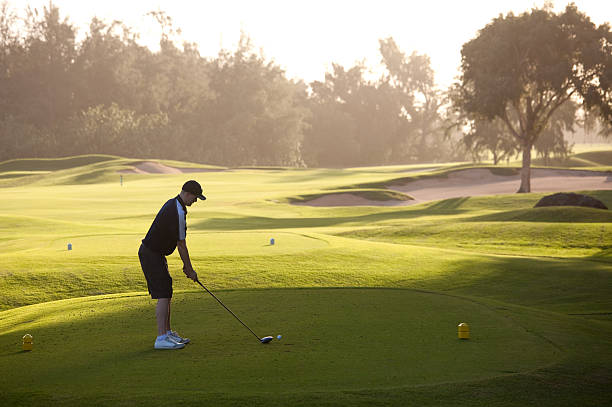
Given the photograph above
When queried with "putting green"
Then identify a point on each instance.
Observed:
(101, 348)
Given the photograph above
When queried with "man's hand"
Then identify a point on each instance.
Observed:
(190, 273)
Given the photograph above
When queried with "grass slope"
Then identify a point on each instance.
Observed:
(369, 194)
(53, 164)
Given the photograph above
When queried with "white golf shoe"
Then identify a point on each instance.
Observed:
(177, 338)
(168, 343)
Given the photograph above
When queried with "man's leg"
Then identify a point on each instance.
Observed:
(162, 313)
(168, 319)
(175, 336)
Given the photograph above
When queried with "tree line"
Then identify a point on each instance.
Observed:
(106, 93)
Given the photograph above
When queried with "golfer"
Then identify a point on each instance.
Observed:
(169, 230)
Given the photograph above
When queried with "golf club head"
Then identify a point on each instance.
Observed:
(266, 339)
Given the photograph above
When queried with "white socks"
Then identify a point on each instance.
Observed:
(162, 337)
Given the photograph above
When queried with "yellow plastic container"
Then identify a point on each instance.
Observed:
(28, 342)
(463, 331)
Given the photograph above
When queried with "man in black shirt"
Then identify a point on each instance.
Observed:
(168, 231)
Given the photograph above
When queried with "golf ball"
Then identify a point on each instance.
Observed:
(279, 337)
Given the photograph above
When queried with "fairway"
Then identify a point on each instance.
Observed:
(333, 340)
(367, 298)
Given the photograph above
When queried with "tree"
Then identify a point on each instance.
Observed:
(552, 140)
(354, 121)
(412, 81)
(331, 138)
(593, 122)
(521, 69)
(112, 130)
(486, 136)
(47, 88)
(253, 117)
(102, 60)
(36, 87)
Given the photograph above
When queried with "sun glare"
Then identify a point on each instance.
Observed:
(305, 38)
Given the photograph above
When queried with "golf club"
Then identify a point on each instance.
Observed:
(265, 339)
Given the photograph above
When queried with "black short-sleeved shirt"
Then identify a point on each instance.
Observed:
(168, 227)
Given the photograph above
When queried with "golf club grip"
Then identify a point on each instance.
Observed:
(229, 310)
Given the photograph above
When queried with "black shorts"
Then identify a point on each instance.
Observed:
(155, 268)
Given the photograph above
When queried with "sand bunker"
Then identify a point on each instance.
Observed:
(151, 167)
(478, 182)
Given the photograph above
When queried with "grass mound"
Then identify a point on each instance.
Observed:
(380, 195)
(53, 164)
(80, 170)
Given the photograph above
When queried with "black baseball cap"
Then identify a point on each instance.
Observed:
(195, 188)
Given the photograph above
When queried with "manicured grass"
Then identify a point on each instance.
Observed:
(559, 232)
(597, 158)
(535, 285)
(370, 194)
(53, 164)
(391, 338)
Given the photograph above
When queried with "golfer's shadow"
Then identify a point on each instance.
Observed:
(15, 353)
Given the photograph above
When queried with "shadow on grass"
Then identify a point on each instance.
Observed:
(555, 214)
(11, 353)
(579, 384)
(451, 204)
(568, 285)
(446, 207)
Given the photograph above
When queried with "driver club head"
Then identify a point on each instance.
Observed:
(266, 339)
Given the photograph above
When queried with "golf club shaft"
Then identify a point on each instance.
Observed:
(229, 310)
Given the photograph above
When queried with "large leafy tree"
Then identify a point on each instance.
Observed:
(341, 130)
(521, 69)
(254, 117)
(489, 137)
(36, 87)
(357, 121)
(354, 121)
(492, 137)
(411, 80)
(552, 141)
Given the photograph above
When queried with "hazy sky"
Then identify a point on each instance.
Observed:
(305, 37)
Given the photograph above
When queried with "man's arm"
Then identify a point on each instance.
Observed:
(187, 267)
